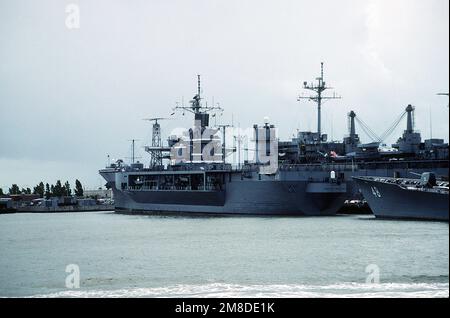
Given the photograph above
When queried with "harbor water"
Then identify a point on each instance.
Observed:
(159, 256)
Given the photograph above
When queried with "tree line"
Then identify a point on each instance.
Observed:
(47, 190)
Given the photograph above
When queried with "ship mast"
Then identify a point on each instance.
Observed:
(201, 124)
(196, 106)
(319, 88)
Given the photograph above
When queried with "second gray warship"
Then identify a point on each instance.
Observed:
(398, 198)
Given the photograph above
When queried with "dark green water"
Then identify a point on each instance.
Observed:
(153, 256)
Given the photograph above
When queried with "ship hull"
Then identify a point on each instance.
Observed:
(390, 201)
(239, 198)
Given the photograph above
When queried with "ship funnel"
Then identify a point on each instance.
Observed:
(410, 121)
(352, 130)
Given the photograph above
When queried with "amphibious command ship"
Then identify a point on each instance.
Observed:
(306, 176)
(199, 180)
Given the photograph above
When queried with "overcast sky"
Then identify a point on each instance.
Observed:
(69, 97)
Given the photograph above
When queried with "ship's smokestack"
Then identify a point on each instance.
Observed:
(410, 121)
(352, 129)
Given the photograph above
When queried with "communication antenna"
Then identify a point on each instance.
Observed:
(224, 149)
(319, 88)
(133, 157)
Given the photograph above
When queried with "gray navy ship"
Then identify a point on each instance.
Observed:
(305, 176)
(396, 198)
(207, 184)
